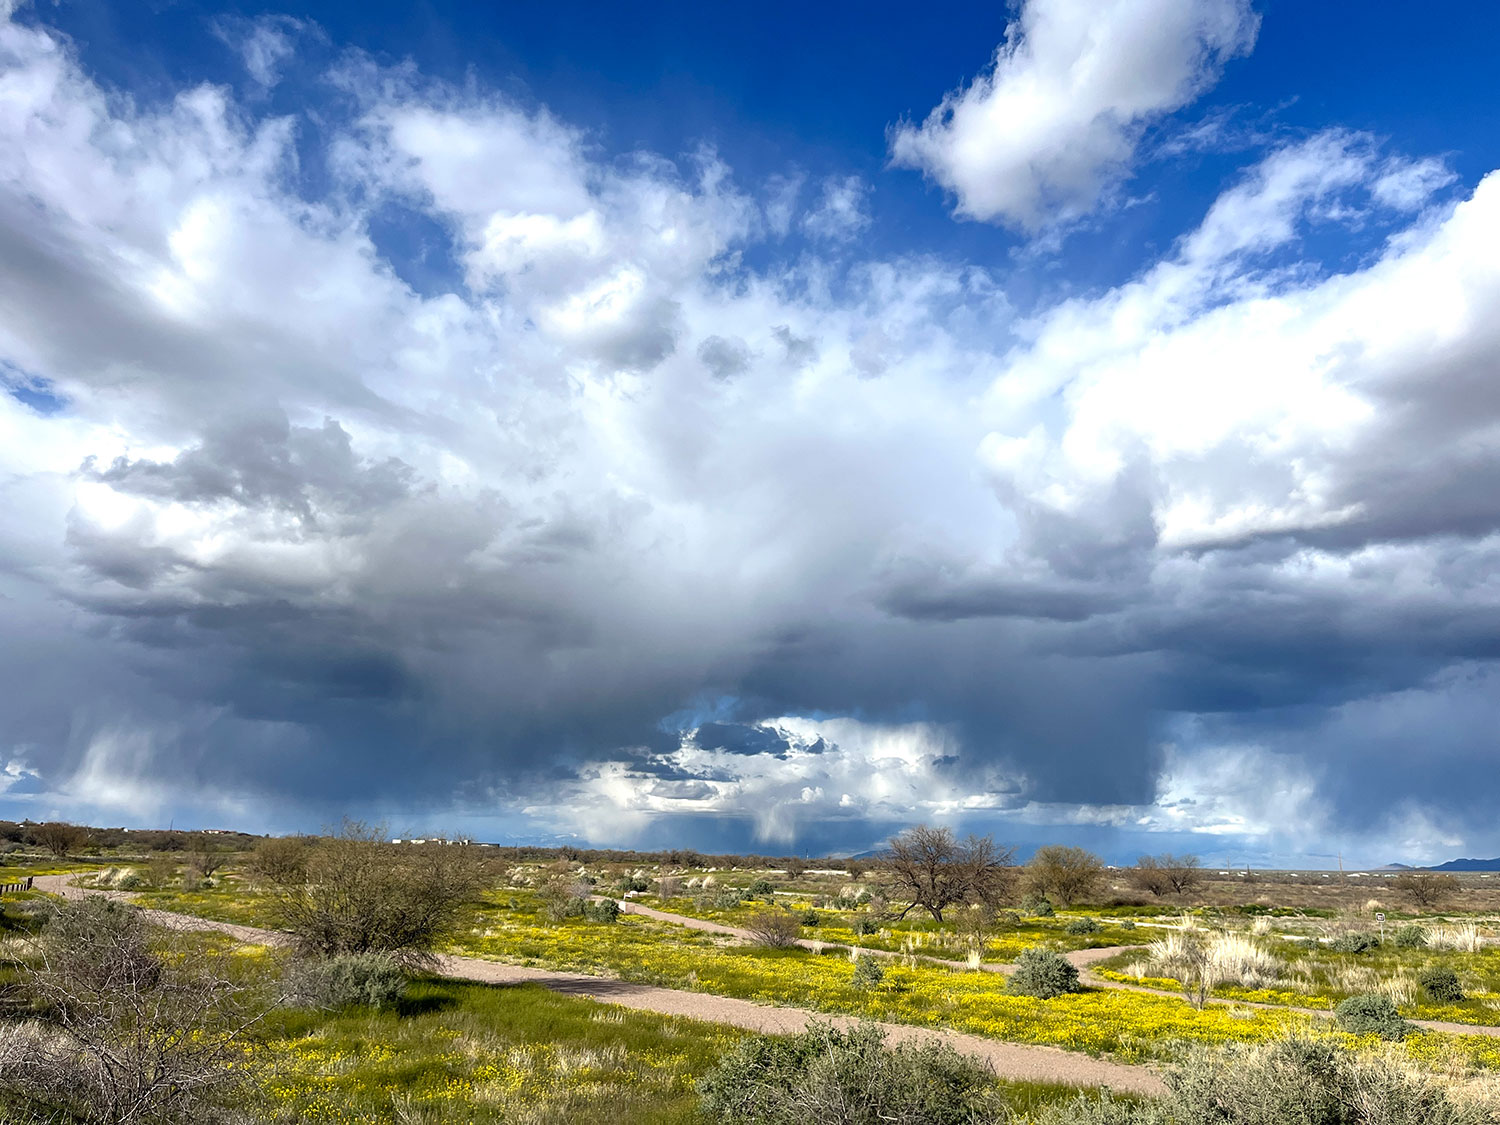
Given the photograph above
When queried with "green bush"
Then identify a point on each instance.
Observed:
(865, 926)
(1037, 905)
(727, 898)
(1127, 925)
(811, 917)
(846, 1078)
(1296, 1081)
(1354, 943)
(370, 980)
(762, 887)
(1371, 1013)
(1440, 984)
(1043, 974)
(605, 910)
(130, 881)
(1083, 926)
(1410, 937)
(867, 973)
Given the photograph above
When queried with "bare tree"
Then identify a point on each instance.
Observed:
(932, 869)
(1425, 888)
(1064, 874)
(206, 860)
(280, 861)
(363, 895)
(134, 1025)
(1166, 874)
(61, 839)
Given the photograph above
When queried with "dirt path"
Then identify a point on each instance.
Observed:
(1082, 959)
(1010, 1060)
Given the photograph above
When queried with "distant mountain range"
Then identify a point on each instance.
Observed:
(1451, 865)
(1468, 865)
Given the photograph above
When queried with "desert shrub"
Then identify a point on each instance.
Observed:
(727, 898)
(363, 895)
(160, 870)
(811, 917)
(135, 1024)
(868, 973)
(369, 980)
(1082, 926)
(1295, 1081)
(1038, 905)
(1127, 925)
(1043, 974)
(835, 1077)
(280, 861)
(1358, 942)
(1440, 984)
(564, 897)
(864, 927)
(1371, 1013)
(776, 929)
(762, 887)
(605, 910)
(130, 881)
(630, 883)
(669, 886)
(1410, 937)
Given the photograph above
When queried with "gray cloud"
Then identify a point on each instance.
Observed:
(304, 540)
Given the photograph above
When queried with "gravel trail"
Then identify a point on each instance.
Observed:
(1009, 1060)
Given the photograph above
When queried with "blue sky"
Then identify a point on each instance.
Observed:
(754, 429)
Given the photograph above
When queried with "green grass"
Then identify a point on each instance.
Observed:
(1319, 978)
(484, 1053)
(521, 1054)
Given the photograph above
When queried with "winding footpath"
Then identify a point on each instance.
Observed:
(1081, 959)
(1021, 1062)
(1014, 1061)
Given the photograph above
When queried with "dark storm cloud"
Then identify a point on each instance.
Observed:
(338, 543)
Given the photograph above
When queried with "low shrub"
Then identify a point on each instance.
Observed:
(864, 927)
(762, 887)
(775, 929)
(811, 917)
(1358, 942)
(727, 898)
(1127, 925)
(1410, 937)
(368, 980)
(604, 910)
(1043, 974)
(1440, 984)
(1296, 1081)
(1037, 905)
(1371, 1013)
(846, 1078)
(1082, 926)
(867, 973)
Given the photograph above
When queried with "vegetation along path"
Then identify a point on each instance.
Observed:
(1009, 1060)
(1081, 959)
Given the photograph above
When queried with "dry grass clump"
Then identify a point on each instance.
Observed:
(1462, 938)
(1227, 958)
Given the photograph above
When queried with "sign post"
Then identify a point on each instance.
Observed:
(1380, 917)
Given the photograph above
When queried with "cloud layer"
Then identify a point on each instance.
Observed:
(611, 532)
(1053, 124)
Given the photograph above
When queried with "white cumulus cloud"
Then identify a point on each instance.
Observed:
(1039, 137)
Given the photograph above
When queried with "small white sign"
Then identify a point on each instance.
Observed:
(1379, 916)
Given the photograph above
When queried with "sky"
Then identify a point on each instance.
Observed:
(756, 429)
